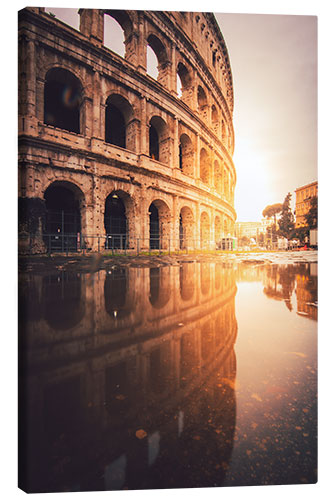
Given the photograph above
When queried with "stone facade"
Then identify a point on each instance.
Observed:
(303, 201)
(111, 148)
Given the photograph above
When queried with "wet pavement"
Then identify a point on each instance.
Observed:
(168, 372)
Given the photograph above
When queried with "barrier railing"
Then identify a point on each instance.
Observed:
(122, 244)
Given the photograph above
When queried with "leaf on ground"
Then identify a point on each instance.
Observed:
(140, 434)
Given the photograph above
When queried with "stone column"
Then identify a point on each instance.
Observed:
(175, 160)
(173, 72)
(144, 128)
(96, 106)
(197, 158)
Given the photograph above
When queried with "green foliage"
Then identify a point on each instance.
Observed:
(312, 216)
(286, 221)
(272, 210)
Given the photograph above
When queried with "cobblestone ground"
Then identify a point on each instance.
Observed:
(94, 262)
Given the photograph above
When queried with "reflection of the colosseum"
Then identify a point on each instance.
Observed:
(155, 356)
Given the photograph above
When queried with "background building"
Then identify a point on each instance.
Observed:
(106, 150)
(303, 201)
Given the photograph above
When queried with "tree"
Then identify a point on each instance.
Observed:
(272, 211)
(286, 221)
(312, 216)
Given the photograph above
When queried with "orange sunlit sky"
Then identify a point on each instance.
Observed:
(274, 66)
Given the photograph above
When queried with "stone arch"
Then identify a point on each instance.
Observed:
(217, 177)
(186, 281)
(116, 299)
(122, 18)
(119, 122)
(160, 290)
(115, 220)
(160, 52)
(65, 210)
(184, 81)
(187, 221)
(204, 166)
(218, 229)
(225, 227)
(63, 301)
(159, 224)
(158, 140)
(186, 155)
(204, 230)
(63, 97)
(202, 103)
(215, 119)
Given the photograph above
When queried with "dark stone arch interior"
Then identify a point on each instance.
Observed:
(115, 126)
(115, 293)
(157, 46)
(115, 222)
(63, 305)
(154, 148)
(154, 227)
(63, 218)
(62, 100)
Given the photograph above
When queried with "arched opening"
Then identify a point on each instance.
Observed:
(159, 287)
(159, 225)
(154, 146)
(62, 100)
(217, 177)
(218, 231)
(215, 120)
(114, 37)
(154, 227)
(115, 222)
(158, 140)
(115, 293)
(204, 166)
(156, 59)
(202, 98)
(186, 281)
(118, 113)
(68, 16)
(186, 155)
(181, 232)
(187, 220)
(63, 201)
(62, 300)
(183, 82)
(204, 230)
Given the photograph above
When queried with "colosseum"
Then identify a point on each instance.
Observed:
(111, 156)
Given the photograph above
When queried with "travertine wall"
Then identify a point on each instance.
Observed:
(190, 44)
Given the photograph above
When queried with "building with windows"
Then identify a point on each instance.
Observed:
(303, 201)
(108, 154)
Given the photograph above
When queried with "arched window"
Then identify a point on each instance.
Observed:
(154, 148)
(183, 81)
(62, 100)
(118, 113)
(158, 140)
(68, 16)
(156, 59)
(63, 202)
(114, 38)
(186, 155)
(202, 98)
(115, 222)
(204, 166)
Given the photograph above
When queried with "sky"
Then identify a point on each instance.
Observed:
(274, 67)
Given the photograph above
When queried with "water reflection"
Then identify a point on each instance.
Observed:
(136, 387)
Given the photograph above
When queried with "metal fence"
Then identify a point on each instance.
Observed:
(122, 244)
